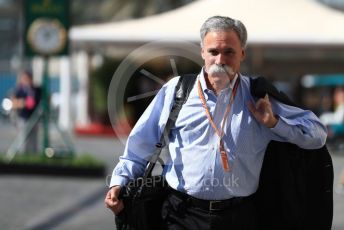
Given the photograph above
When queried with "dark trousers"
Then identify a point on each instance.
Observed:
(179, 211)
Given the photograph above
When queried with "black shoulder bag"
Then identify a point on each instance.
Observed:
(144, 196)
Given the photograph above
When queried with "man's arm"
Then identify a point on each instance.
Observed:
(289, 123)
(142, 139)
(141, 144)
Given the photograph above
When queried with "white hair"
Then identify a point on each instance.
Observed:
(220, 23)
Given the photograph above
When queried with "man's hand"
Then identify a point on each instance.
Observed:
(111, 200)
(263, 113)
(18, 103)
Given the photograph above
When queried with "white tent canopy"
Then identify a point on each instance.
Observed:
(267, 22)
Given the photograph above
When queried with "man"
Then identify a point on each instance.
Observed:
(219, 139)
(25, 99)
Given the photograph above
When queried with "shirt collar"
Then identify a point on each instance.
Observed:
(204, 84)
(232, 83)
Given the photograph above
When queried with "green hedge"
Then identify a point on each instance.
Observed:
(86, 161)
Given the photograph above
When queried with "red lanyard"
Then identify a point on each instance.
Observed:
(220, 133)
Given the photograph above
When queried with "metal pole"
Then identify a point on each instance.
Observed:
(45, 104)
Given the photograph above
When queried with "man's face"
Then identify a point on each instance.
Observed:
(222, 48)
(25, 80)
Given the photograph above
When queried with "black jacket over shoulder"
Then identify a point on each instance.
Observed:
(296, 185)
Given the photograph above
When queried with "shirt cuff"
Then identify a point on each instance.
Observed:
(281, 128)
(118, 180)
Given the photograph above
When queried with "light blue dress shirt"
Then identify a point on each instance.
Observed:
(194, 165)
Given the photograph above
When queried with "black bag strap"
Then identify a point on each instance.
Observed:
(182, 91)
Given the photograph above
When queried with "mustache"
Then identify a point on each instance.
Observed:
(220, 69)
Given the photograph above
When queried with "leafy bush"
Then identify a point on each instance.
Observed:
(84, 161)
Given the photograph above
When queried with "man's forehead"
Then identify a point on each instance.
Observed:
(217, 47)
(223, 39)
(223, 45)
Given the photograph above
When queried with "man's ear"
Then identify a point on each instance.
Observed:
(243, 54)
(203, 53)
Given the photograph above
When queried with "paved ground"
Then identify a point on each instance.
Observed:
(48, 202)
(42, 202)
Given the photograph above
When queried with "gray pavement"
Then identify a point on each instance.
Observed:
(48, 202)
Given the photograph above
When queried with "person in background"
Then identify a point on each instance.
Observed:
(25, 99)
(337, 116)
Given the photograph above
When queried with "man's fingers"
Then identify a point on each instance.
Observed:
(114, 204)
(118, 208)
(262, 111)
(108, 195)
(260, 103)
(113, 194)
(108, 199)
(111, 200)
(259, 109)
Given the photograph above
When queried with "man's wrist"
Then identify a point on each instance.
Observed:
(118, 180)
(273, 121)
